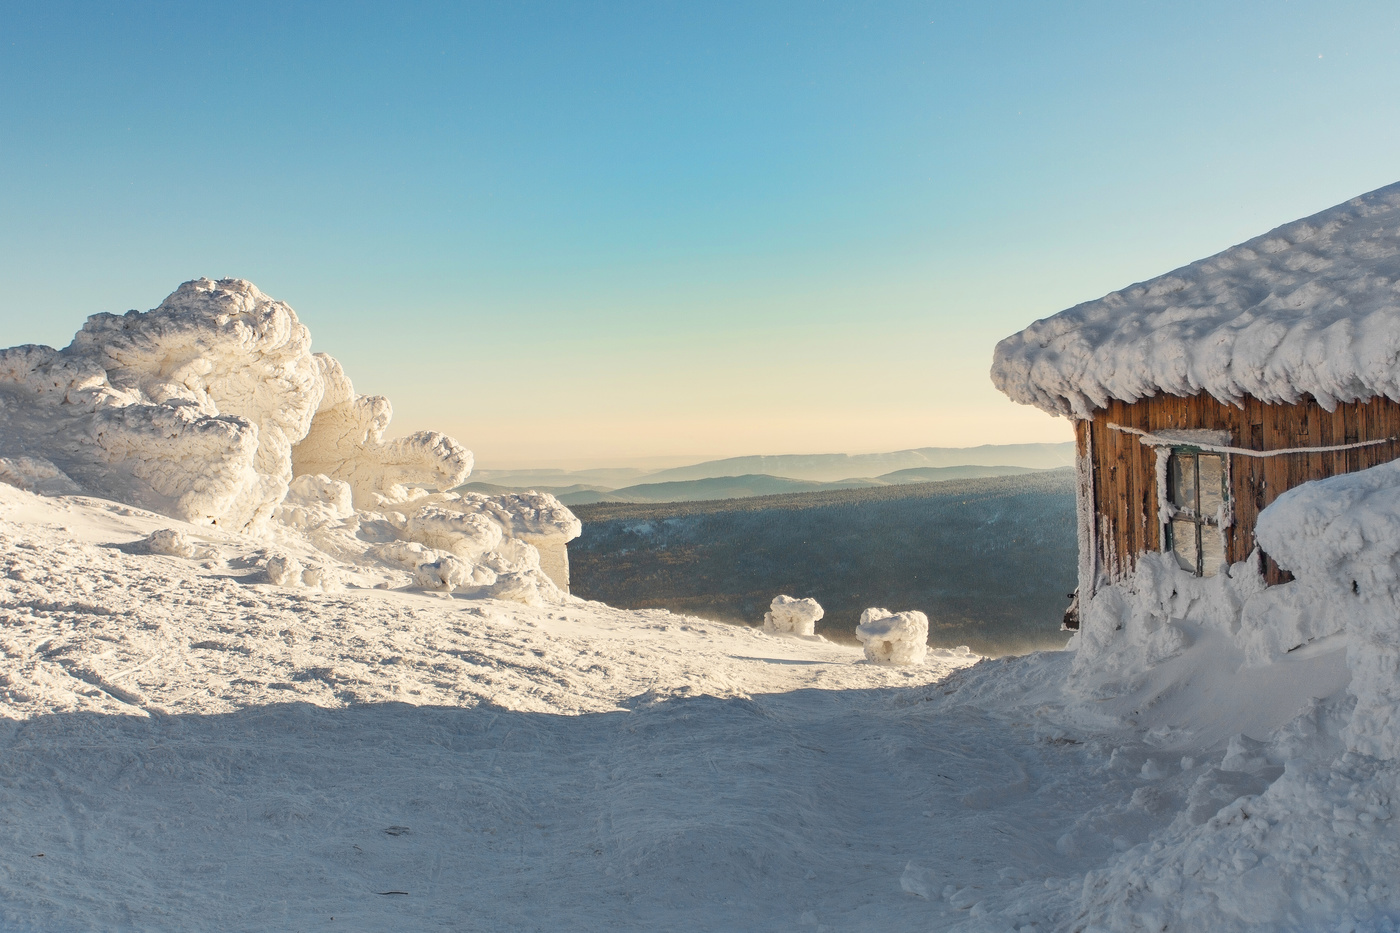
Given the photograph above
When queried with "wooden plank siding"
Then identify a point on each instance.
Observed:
(1125, 469)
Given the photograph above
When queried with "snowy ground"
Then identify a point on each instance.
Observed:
(187, 749)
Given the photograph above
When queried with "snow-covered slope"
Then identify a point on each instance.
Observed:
(189, 746)
(1312, 307)
(265, 724)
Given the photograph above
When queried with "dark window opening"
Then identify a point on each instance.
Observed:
(1196, 499)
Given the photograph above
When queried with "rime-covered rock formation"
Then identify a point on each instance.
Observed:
(789, 616)
(893, 637)
(212, 409)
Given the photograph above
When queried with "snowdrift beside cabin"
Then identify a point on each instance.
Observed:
(212, 409)
(1313, 841)
(1310, 308)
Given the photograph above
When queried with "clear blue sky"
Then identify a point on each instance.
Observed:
(591, 233)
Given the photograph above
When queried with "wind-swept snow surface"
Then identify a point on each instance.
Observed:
(361, 704)
(191, 747)
(1311, 308)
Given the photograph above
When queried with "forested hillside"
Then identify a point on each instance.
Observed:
(989, 560)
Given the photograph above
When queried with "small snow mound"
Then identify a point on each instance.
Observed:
(517, 587)
(171, 542)
(449, 573)
(283, 570)
(35, 474)
(789, 616)
(316, 500)
(893, 637)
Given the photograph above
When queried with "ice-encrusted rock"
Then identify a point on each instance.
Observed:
(283, 570)
(315, 500)
(212, 408)
(450, 572)
(171, 542)
(35, 474)
(789, 616)
(893, 637)
(537, 518)
(467, 535)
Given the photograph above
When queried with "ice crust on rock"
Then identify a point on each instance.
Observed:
(212, 409)
(1310, 308)
(35, 474)
(789, 616)
(171, 542)
(893, 637)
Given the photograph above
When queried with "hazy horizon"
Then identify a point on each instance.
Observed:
(662, 463)
(603, 233)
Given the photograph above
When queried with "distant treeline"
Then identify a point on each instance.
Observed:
(989, 560)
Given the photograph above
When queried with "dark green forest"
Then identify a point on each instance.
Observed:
(990, 561)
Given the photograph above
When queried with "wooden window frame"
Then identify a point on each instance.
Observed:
(1192, 513)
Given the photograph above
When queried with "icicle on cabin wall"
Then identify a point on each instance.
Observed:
(1123, 471)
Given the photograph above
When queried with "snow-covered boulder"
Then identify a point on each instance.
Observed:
(170, 542)
(789, 616)
(190, 409)
(536, 518)
(35, 474)
(315, 500)
(212, 409)
(283, 570)
(893, 637)
(467, 535)
(450, 573)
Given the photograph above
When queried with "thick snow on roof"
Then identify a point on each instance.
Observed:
(1311, 308)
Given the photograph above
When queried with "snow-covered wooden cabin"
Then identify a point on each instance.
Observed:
(1199, 396)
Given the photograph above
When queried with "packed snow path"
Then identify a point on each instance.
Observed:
(188, 747)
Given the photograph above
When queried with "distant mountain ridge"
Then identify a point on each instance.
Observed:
(748, 486)
(742, 477)
(827, 468)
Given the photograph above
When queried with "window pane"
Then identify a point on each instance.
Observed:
(1183, 477)
(1184, 544)
(1212, 547)
(1212, 476)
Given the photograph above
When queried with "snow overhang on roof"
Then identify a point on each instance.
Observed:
(1311, 308)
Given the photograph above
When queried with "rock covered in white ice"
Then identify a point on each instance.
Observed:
(789, 616)
(35, 474)
(212, 409)
(1310, 308)
(171, 542)
(893, 637)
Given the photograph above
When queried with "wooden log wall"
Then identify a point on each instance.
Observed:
(1125, 469)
